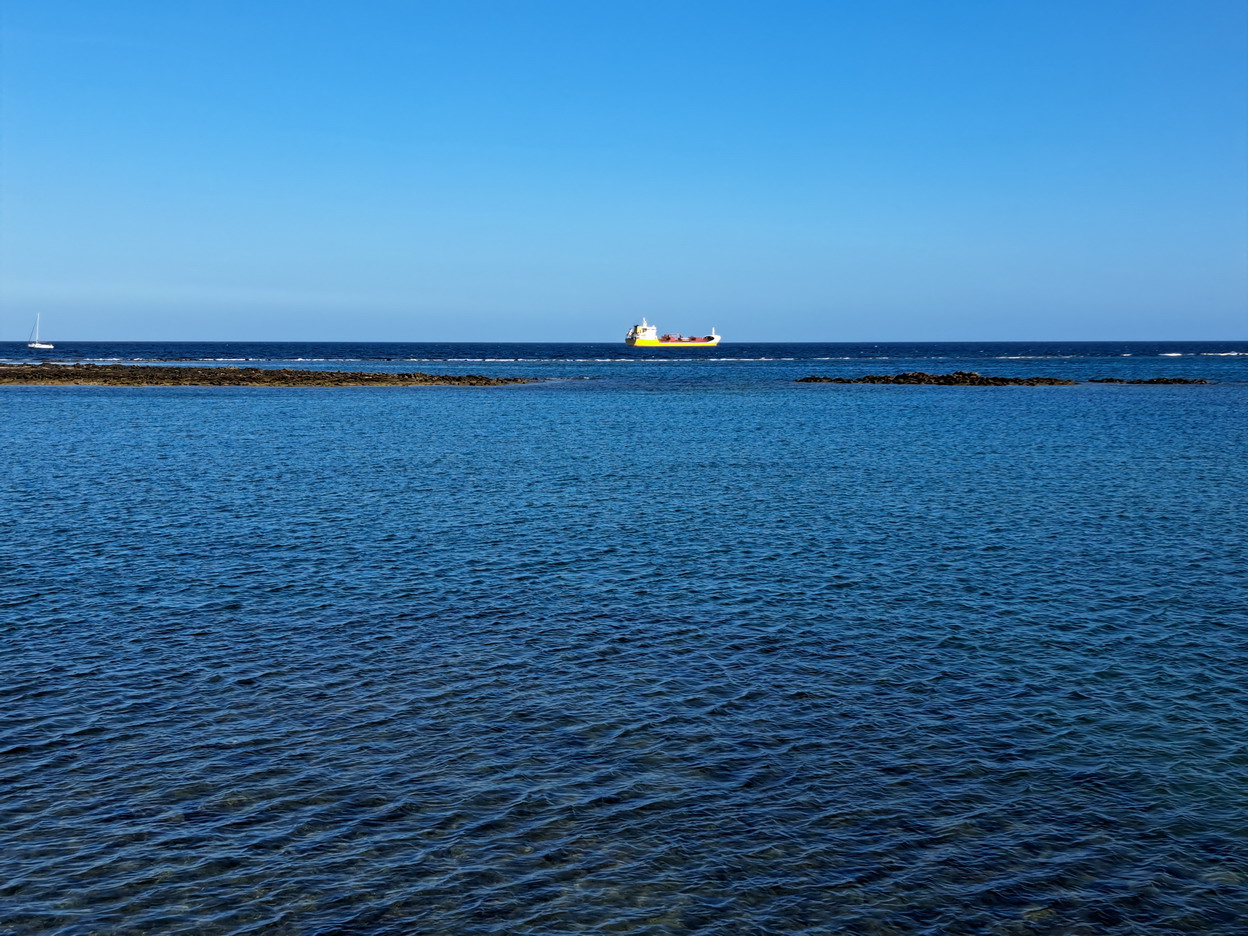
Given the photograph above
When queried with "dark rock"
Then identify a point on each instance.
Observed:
(972, 379)
(141, 375)
(956, 379)
(1154, 380)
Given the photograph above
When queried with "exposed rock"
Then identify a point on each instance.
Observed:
(1155, 380)
(972, 379)
(956, 379)
(143, 375)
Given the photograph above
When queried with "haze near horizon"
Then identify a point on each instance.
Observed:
(554, 171)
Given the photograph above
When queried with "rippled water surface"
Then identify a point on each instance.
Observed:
(687, 648)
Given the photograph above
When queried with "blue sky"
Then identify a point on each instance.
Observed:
(554, 170)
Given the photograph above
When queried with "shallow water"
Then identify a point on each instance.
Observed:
(688, 649)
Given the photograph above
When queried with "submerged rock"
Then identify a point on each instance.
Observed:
(142, 375)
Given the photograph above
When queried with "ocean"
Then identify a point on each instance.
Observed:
(664, 643)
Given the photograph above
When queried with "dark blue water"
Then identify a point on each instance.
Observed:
(684, 647)
(752, 363)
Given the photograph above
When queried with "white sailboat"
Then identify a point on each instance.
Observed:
(34, 337)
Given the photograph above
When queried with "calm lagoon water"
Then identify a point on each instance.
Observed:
(663, 646)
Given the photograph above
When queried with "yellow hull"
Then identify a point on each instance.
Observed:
(658, 343)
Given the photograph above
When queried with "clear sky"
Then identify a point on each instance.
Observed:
(553, 170)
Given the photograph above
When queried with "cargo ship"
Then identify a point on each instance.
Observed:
(647, 336)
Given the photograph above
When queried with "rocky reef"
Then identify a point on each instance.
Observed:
(956, 379)
(973, 379)
(1154, 380)
(144, 375)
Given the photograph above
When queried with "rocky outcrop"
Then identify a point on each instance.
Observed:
(1154, 380)
(956, 379)
(972, 379)
(144, 375)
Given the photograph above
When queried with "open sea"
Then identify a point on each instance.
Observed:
(663, 644)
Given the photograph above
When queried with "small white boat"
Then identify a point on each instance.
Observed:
(34, 337)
